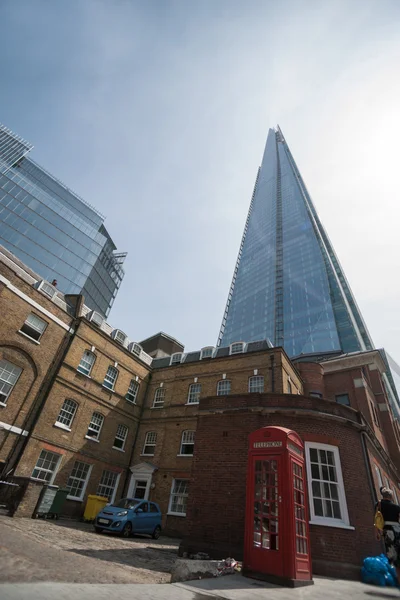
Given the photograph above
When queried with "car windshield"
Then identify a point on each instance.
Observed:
(127, 503)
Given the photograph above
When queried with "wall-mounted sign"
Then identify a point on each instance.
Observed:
(267, 444)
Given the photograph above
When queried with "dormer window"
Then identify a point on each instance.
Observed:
(176, 358)
(119, 336)
(237, 348)
(96, 318)
(135, 348)
(207, 352)
(47, 289)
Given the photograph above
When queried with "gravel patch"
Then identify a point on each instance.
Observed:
(67, 551)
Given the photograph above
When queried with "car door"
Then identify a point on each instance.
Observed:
(141, 517)
(155, 516)
(147, 518)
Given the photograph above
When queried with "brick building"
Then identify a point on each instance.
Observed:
(82, 406)
(72, 389)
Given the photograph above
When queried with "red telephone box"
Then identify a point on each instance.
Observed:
(277, 541)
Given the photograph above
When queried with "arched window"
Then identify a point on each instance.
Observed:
(194, 393)
(256, 384)
(95, 425)
(110, 378)
(149, 445)
(87, 362)
(132, 392)
(223, 387)
(159, 398)
(9, 374)
(67, 413)
(120, 437)
(187, 443)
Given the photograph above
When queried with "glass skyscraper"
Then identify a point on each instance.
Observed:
(288, 285)
(54, 231)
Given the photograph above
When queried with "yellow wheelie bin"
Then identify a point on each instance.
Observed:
(93, 506)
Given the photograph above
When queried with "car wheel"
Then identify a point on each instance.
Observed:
(156, 533)
(127, 530)
(98, 529)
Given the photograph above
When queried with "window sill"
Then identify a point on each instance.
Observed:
(172, 514)
(147, 455)
(87, 437)
(108, 389)
(28, 337)
(119, 449)
(192, 403)
(185, 455)
(338, 525)
(74, 499)
(84, 374)
(3, 404)
(62, 426)
(157, 406)
(131, 401)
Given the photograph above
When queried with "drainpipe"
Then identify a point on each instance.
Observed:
(126, 484)
(38, 405)
(368, 468)
(369, 475)
(272, 359)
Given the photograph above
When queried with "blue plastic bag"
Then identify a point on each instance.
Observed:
(377, 570)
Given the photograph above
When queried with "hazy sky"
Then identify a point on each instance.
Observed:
(157, 112)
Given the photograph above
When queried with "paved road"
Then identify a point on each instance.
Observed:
(36, 550)
(43, 560)
(231, 587)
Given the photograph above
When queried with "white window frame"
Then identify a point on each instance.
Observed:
(92, 437)
(206, 348)
(122, 438)
(84, 370)
(234, 348)
(174, 360)
(159, 397)
(379, 475)
(193, 394)
(9, 375)
(53, 472)
(85, 481)
(105, 485)
(344, 522)
(133, 391)
(256, 377)
(150, 440)
(108, 379)
(71, 413)
(173, 493)
(187, 439)
(39, 325)
(221, 384)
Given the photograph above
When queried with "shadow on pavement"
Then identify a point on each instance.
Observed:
(137, 558)
(377, 594)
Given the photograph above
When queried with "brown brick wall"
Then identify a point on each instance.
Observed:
(218, 485)
(35, 359)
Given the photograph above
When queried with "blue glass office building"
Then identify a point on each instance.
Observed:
(288, 285)
(53, 231)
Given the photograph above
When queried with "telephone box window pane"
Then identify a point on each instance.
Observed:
(265, 515)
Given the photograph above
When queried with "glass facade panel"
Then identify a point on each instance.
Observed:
(288, 285)
(53, 231)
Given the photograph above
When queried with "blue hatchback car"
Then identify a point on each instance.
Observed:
(128, 516)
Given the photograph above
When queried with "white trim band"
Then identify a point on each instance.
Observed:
(13, 429)
(29, 300)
